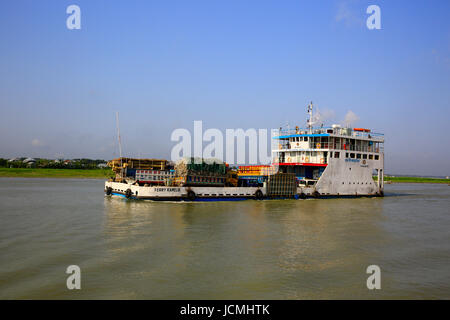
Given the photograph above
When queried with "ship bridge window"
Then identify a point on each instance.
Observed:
(370, 156)
(336, 154)
(352, 155)
(377, 157)
(358, 156)
(364, 156)
(346, 154)
(306, 138)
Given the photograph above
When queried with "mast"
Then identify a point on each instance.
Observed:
(120, 143)
(310, 120)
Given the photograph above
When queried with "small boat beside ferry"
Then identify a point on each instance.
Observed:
(313, 162)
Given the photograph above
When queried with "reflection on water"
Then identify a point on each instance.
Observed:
(286, 249)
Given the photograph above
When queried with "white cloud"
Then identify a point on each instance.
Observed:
(37, 143)
(348, 14)
(440, 58)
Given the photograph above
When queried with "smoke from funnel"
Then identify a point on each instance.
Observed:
(350, 118)
(322, 116)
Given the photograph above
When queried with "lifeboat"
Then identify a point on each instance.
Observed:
(361, 129)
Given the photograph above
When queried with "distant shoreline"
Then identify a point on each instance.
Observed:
(389, 179)
(56, 173)
(108, 173)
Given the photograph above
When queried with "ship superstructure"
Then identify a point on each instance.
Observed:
(333, 160)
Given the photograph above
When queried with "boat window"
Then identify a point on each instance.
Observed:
(306, 138)
(352, 155)
(336, 154)
(358, 156)
(377, 157)
(346, 154)
(370, 156)
(364, 156)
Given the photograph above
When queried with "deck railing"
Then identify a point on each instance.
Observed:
(344, 132)
(333, 146)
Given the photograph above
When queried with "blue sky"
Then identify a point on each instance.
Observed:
(231, 64)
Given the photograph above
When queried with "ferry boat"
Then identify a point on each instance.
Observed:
(314, 162)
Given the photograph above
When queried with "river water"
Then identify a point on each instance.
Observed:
(278, 249)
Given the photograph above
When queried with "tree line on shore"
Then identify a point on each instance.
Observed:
(82, 163)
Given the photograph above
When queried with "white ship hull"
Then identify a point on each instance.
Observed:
(183, 193)
(348, 177)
